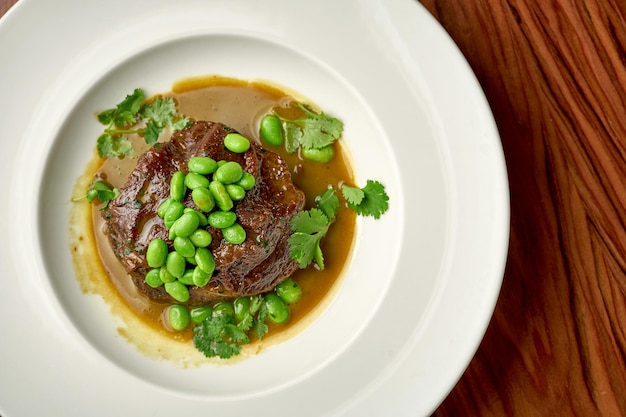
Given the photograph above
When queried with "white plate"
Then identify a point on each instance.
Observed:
(423, 281)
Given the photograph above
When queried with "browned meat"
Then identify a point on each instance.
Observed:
(253, 267)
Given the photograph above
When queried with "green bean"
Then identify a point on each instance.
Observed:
(153, 278)
(186, 225)
(202, 165)
(175, 264)
(156, 254)
(187, 277)
(277, 309)
(271, 130)
(199, 314)
(228, 173)
(289, 291)
(184, 246)
(242, 307)
(200, 278)
(223, 308)
(201, 238)
(236, 143)
(177, 186)
(222, 219)
(174, 210)
(193, 181)
(247, 181)
(165, 276)
(177, 290)
(203, 198)
(236, 192)
(220, 195)
(321, 155)
(179, 317)
(162, 209)
(205, 260)
(234, 234)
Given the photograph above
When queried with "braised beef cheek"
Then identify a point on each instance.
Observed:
(252, 267)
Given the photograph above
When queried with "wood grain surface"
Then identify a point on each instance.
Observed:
(554, 72)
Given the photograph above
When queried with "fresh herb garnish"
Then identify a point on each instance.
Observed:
(124, 119)
(309, 227)
(313, 131)
(219, 336)
(100, 190)
(223, 336)
(371, 200)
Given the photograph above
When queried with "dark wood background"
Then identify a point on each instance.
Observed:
(554, 72)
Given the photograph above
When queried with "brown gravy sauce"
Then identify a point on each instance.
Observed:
(241, 105)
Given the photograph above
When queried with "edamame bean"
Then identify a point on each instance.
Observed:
(236, 142)
(220, 195)
(177, 186)
(236, 192)
(247, 181)
(179, 317)
(201, 217)
(223, 308)
(184, 247)
(222, 219)
(321, 155)
(177, 290)
(187, 277)
(242, 307)
(153, 278)
(203, 198)
(201, 238)
(234, 234)
(165, 276)
(200, 278)
(193, 181)
(271, 130)
(162, 209)
(228, 173)
(174, 210)
(186, 225)
(175, 264)
(277, 309)
(202, 165)
(199, 314)
(204, 259)
(289, 291)
(156, 254)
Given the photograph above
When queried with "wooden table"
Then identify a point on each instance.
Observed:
(554, 72)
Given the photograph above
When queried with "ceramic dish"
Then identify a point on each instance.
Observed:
(422, 282)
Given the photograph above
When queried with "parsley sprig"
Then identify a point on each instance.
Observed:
(312, 131)
(125, 118)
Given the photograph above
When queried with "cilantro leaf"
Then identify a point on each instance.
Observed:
(309, 227)
(125, 113)
(122, 120)
(219, 336)
(312, 131)
(151, 132)
(113, 145)
(318, 130)
(100, 190)
(373, 202)
(329, 204)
